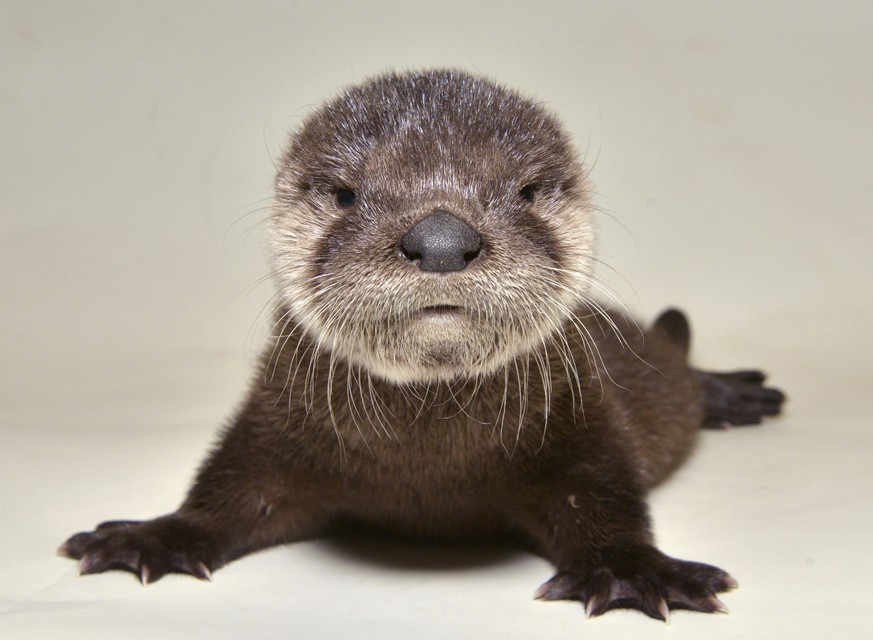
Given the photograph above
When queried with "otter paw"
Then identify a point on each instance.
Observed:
(737, 398)
(149, 549)
(641, 578)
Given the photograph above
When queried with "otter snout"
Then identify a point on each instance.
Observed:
(441, 242)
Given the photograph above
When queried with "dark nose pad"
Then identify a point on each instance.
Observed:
(441, 242)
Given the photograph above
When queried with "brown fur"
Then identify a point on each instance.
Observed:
(486, 399)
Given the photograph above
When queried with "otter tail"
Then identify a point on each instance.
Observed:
(674, 323)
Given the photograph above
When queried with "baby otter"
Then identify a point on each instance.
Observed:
(437, 367)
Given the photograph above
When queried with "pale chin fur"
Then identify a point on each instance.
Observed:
(411, 349)
(439, 354)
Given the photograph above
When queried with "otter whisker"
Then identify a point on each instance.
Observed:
(354, 412)
(332, 365)
(501, 414)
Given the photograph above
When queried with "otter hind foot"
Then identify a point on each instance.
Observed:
(641, 578)
(149, 549)
(737, 398)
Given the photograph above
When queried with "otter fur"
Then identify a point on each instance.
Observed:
(438, 366)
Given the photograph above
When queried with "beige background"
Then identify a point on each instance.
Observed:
(731, 147)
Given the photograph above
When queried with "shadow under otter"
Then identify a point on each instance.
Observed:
(437, 366)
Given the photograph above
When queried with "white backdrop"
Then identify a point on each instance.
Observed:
(731, 147)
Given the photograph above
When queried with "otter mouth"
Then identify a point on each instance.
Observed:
(441, 310)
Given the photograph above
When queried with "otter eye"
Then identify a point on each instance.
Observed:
(345, 197)
(527, 192)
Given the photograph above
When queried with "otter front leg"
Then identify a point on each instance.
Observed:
(596, 531)
(245, 498)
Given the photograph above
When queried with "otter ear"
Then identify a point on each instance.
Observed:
(528, 192)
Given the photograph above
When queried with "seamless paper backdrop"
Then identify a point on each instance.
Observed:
(730, 148)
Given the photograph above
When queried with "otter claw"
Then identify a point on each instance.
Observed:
(664, 610)
(561, 586)
(202, 572)
(84, 566)
(717, 605)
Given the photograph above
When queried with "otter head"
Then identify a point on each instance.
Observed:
(430, 226)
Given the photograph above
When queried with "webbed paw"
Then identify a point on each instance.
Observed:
(641, 578)
(737, 398)
(149, 549)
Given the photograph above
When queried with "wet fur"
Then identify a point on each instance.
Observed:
(497, 400)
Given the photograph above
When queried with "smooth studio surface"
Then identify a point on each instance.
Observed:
(730, 150)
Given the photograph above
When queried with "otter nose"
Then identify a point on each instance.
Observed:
(441, 242)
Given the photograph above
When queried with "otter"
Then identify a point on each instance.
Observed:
(438, 366)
